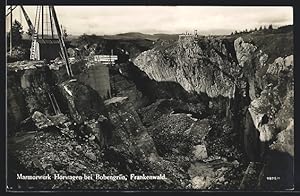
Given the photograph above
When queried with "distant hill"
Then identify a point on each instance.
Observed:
(125, 36)
(164, 36)
(137, 35)
(133, 35)
(285, 29)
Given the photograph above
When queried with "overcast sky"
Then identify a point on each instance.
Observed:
(163, 19)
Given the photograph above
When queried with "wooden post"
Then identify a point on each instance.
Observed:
(51, 23)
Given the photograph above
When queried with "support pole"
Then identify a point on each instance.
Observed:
(56, 104)
(61, 42)
(52, 103)
(38, 21)
(51, 23)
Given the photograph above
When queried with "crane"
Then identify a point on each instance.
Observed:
(34, 36)
(29, 23)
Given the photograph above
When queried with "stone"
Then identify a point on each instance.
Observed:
(37, 164)
(59, 119)
(70, 148)
(63, 154)
(75, 168)
(201, 169)
(201, 182)
(41, 120)
(285, 139)
(78, 148)
(199, 130)
(200, 152)
(266, 133)
(221, 179)
(115, 100)
(52, 171)
(235, 163)
(281, 64)
(91, 156)
(92, 138)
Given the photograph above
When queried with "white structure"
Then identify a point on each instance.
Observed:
(106, 59)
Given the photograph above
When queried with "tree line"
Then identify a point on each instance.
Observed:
(261, 28)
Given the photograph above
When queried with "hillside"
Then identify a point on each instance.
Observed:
(275, 42)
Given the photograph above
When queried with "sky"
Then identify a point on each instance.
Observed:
(108, 20)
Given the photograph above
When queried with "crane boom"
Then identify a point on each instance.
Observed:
(30, 25)
(10, 9)
(61, 42)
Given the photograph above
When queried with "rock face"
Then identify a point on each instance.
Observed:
(272, 111)
(262, 92)
(272, 94)
(202, 66)
(253, 63)
(30, 83)
(27, 91)
(129, 134)
(122, 86)
(97, 77)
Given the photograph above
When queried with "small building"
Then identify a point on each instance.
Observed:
(46, 49)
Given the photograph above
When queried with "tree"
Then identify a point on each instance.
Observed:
(29, 32)
(17, 32)
(64, 32)
(270, 27)
(255, 29)
(260, 28)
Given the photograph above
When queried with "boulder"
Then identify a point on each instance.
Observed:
(199, 152)
(88, 111)
(285, 139)
(128, 131)
(41, 120)
(84, 103)
(91, 156)
(201, 182)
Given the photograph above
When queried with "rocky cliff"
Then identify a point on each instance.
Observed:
(198, 65)
(261, 91)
